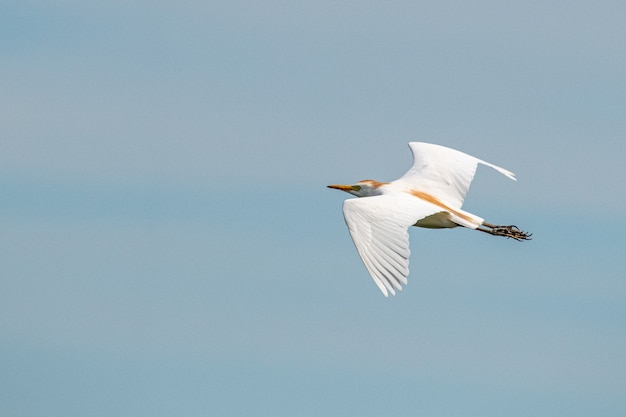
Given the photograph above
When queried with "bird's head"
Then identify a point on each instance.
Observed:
(364, 188)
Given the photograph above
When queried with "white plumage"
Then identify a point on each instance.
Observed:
(429, 195)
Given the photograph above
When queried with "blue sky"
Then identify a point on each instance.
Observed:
(168, 246)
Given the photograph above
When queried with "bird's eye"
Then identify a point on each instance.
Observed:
(356, 187)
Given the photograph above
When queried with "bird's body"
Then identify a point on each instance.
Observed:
(429, 195)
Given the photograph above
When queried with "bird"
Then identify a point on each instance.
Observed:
(429, 195)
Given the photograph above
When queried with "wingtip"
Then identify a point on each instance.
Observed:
(503, 171)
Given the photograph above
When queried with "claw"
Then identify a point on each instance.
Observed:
(512, 232)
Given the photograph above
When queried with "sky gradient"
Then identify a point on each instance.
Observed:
(168, 246)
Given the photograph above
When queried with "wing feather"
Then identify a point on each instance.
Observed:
(446, 173)
(388, 256)
(379, 226)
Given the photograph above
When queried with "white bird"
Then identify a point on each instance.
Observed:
(429, 195)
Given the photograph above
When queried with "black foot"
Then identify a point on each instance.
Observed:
(512, 232)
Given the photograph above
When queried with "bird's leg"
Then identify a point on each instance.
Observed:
(506, 231)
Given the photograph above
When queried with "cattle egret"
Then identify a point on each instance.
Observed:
(429, 195)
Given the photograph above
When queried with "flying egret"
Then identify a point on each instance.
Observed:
(429, 195)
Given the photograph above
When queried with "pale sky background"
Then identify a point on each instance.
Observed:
(168, 246)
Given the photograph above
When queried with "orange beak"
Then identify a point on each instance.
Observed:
(346, 188)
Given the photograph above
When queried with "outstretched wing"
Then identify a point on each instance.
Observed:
(379, 229)
(443, 172)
